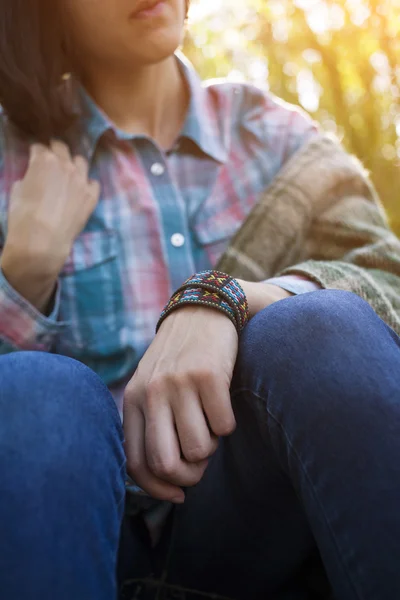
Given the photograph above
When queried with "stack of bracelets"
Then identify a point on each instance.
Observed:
(215, 290)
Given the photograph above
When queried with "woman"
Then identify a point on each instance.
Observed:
(121, 177)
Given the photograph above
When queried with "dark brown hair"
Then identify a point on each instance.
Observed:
(34, 51)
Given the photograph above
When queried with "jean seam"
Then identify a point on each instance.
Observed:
(122, 468)
(314, 493)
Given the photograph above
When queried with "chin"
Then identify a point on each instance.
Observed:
(158, 52)
(155, 44)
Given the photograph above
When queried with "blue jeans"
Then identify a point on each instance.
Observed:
(311, 474)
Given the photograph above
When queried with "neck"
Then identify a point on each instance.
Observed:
(151, 101)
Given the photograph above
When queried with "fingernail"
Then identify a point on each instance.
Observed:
(178, 500)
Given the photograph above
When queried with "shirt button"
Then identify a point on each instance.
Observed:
(157, 169)
(178, 240)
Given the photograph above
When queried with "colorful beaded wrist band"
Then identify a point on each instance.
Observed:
(227, 287)
(215, 290)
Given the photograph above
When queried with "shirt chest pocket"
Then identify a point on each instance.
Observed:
(91, 300)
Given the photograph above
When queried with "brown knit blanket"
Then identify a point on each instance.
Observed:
(321, 218)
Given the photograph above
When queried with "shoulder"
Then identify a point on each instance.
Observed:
(260, 115)
(248, 101)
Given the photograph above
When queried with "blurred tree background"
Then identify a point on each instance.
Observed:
(338, 59)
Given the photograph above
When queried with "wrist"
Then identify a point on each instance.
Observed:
(37, 264)
(26, 276)
(260, 295)
(212, 289)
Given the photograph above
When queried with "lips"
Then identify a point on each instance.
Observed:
(144, 6)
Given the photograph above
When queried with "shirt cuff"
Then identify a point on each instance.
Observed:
(295, 284)
(22, 326)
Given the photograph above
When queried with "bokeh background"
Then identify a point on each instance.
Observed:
(338, 59)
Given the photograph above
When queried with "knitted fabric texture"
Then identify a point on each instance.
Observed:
(321, 218)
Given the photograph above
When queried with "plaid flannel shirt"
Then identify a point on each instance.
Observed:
(162, 216)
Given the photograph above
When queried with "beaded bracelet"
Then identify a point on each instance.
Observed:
(225, 286)
(215, 290)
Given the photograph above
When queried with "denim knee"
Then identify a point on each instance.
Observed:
(57, 420)
(309, 319)
(62, 479)
(323, 370)
(317, 344)
(306, 320)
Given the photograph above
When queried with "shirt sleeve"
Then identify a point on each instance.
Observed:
(22, 326)
(295, 284)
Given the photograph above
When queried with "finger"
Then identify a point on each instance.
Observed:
(36, 151)
(196, 441)
(16, 186)
(163, 450)
(82, 165)
(92, 196)
(61, 150)
(94, 189)
(15, 197)
(217, 404)
(134, 428)
(41, 159)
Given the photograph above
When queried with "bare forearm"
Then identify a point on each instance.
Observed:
(261, 295)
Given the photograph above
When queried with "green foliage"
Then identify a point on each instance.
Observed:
(339, 59)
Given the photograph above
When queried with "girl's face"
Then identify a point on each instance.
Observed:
(124, 33)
